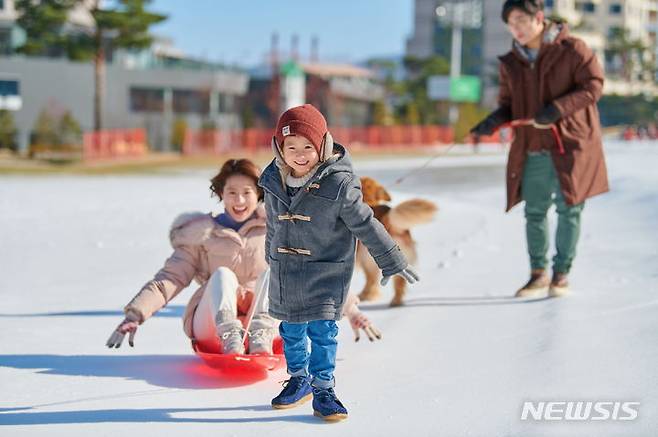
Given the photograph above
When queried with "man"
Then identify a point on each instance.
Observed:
(551, 78)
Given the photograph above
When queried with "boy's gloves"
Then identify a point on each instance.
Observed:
(409, 275)
(129, 324)
(549, 114)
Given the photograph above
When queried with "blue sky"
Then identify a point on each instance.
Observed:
(238, 32)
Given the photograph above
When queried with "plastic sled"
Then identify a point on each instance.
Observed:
(244, 362)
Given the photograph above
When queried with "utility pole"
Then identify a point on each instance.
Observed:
(458, 15)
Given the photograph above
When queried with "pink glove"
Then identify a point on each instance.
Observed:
(358, 320)
(129, 324)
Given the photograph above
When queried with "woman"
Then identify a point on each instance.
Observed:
(225, 254)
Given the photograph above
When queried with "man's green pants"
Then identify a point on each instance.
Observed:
(540, 189)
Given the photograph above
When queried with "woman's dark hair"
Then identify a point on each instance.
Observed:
(232, 167)
(530, 7)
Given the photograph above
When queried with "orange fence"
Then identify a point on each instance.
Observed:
(216, 141)
(115, 143)
(208, 142)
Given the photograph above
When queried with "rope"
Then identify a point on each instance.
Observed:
(511, 124)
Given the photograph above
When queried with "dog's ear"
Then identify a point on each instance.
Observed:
(368, 190)
(382, 194)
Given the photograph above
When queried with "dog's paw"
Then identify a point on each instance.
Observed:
(369, 296)
(396, 303)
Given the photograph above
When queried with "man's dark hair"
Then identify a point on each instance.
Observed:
(530, 7)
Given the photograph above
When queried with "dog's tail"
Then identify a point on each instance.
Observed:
(411, 213)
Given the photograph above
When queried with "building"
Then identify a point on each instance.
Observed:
(345, 94)
(496, 41)
(151, 89)
(597, 22)
(480, 46)
(421, 42)
(433, 36)
(593, 21)
(152, 98)
(8, 31)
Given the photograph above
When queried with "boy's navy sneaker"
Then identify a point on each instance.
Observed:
(296, 391)
(327, 406)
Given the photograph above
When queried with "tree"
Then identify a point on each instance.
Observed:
(69, 131)
(178, 130)
(631, 54)
(43, 23)
(124, 26)
(415, 89)
(7, 130)
(44, 133)
(118, 24)
(411, 115)
(380, 114)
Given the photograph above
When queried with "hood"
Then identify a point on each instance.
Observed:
(554, 32)
(273, 178)
(194, 228)
(326, 152)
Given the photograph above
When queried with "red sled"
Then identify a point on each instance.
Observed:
(244, 362)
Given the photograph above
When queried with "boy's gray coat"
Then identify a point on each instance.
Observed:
(311, 240)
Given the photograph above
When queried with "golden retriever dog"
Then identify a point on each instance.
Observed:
(398, 221)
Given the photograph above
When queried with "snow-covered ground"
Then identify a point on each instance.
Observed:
(459, 359)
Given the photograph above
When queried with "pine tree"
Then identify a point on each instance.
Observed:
(43, 23)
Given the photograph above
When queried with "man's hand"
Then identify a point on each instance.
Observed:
(547, 115)
(489, 125)
(484, 128)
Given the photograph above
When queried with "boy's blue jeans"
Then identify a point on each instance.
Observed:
(321, 362)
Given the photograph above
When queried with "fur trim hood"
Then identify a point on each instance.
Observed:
(194, 228)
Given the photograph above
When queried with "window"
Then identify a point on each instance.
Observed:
(146, 99)
(615, 9)
(2, 4)
(549, 3)
(587, 7)
(5, 41)
(191, 101)
(10, 98)
(9, 88)
(226, 103)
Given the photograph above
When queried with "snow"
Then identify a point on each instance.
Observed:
(459, 359)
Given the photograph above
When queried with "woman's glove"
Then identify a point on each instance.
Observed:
(409, 275)
(359, 321)
(129, 324)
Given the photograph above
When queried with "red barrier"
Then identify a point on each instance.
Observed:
(115, 143)
(218, 141)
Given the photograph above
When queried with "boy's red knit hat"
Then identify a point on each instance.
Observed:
(303, 120)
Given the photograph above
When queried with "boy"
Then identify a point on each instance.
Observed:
(314, 215)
